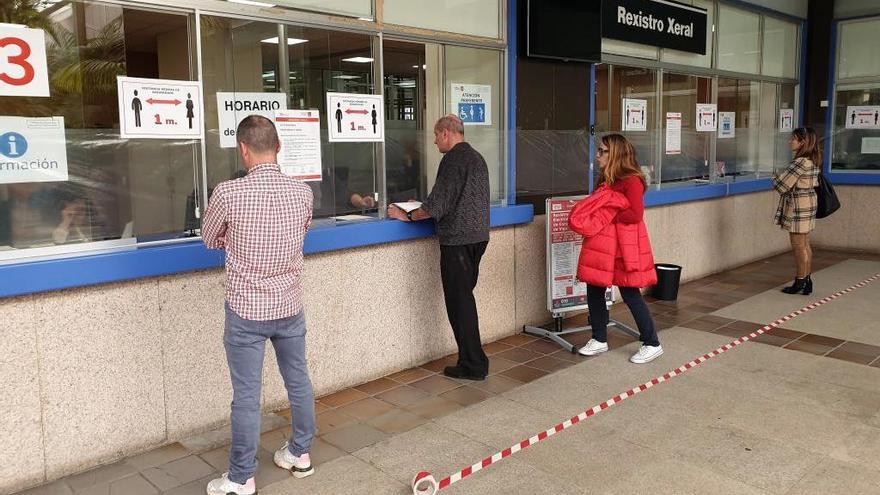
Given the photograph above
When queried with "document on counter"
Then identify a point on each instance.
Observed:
(408, 206)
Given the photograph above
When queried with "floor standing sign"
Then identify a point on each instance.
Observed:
(564, 292)
(159, 108)
(23, 70)
(355, 118)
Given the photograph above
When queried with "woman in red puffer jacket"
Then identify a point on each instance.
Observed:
(616, 248)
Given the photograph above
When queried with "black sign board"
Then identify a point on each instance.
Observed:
(660, 23)
(563, 29)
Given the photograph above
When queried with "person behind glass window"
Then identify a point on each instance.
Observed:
(796, 212)
(616, 249)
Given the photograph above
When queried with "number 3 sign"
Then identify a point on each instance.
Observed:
(23, 62)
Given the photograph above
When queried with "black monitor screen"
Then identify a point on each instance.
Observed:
(564, 29)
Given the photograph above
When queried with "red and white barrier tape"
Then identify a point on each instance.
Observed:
(425, 484)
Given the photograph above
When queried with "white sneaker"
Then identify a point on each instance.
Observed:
(593, 347)
(299, 467)
(222, 486)
(646, 354)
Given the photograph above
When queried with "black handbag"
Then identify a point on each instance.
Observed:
(826, 198)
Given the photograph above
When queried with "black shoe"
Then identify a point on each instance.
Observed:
(457, 372)
(802, 285)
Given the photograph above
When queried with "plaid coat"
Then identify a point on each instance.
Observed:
(797, 202)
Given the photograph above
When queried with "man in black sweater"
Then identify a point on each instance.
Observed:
(459, 204)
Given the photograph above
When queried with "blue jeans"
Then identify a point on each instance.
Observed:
(245, 342)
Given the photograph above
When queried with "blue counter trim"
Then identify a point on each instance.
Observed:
(40, 276)
(854, 178)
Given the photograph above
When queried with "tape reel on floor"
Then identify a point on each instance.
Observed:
(424, 484)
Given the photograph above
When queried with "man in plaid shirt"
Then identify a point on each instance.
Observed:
(261, 221)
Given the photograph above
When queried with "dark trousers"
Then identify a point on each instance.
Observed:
(637, 306)
(459, 270)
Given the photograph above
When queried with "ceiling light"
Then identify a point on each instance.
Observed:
(358, 60)
(252, 2)
(423, 67)
(290, 41)
(346, 77)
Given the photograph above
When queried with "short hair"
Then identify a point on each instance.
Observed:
(258, 133)
(450, 123)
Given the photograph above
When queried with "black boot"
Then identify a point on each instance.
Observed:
(799, 285)
(808, 286)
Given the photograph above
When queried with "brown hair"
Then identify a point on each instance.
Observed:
(258, 133)
(810, 148)
(621, 161)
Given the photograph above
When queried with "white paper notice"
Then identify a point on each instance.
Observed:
(32, 150)
(23, 70)
(871, 145)
(726, 125)
(472, 103)
(673, 133)
(159, 108)
(867, 117)
(232, 108)
(300, 135)
(707, 117)
(786, 119)
(634, 115)
(355, 117)
(408, 206)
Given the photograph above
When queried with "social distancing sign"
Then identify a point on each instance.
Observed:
(32, 149)
(159, 108)
(355, 117)
(23, 70)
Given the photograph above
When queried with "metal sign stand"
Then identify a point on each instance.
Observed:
(563, 248)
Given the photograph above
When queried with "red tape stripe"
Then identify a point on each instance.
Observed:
(464, 473)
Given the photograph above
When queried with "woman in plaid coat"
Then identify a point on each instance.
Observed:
(797, 203)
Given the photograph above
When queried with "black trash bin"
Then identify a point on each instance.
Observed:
(668, 278)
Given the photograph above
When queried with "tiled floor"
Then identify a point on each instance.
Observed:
(413, 401)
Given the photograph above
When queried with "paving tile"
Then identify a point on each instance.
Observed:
(701, 324)
(518, 339)
(495, 347)
(564, 355)
(821, 340)
(343, 397)
(497, 384)
(131, 485)
(542, 346)
(550, 363)
(466, 395)
(319, 407)
(194, 487)
(856, 353)
(498, 364)
(267, 472)
(366, 409)
(776, 338)
(331, 420)
(208, 440)
(410, 375)
(433, 407)
(397, 421)
(745, 327)
(100, 476)
(56, 488)
(808, 347)
(435, 384)
(377, 386)
(733, 333)
(438, 364)
(518, 355)
(177, 473)
(524, 374)
(217, 458)
(354, 437)
(157, 457)
(403, 396)
(322, 452)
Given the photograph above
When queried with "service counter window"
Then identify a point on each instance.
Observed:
(103, 191)
(688, 158)
(856, 120)
(249, 62)
(739, 101)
